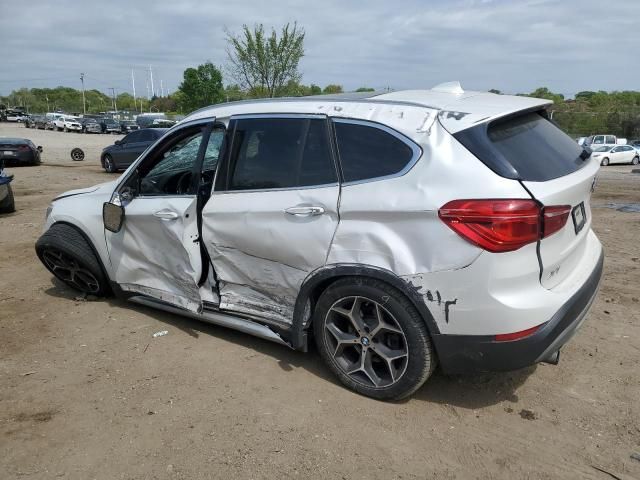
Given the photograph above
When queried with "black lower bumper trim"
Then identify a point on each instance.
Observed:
(478, 353)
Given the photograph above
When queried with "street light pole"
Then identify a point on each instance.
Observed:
(84, 102)
(115, 105)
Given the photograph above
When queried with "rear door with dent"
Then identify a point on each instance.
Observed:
(273, 213)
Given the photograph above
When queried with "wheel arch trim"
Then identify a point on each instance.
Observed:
(330, 273)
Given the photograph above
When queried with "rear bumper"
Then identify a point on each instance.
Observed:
(480, 353)
(19, 158)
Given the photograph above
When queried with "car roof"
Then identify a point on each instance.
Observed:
(457, 109)
(16, 141)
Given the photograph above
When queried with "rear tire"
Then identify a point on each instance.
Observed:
(8, 205)
(65, 253)
(635, 161)
(373, 338)
(605, 162)
(108, 164)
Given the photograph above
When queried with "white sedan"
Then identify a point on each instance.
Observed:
(610, 154)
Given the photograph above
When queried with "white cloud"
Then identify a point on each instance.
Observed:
(507, 44)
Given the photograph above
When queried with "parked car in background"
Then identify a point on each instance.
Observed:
(635, 144)
(19, 151)
(59, 120)
(91, 125)
(40, 122)
(50, 124)
(29, 121)
(72, 125)
(600, 140)
(478, 256)
(124, 152)
(161, 123)
(16, 117)
(611, 154)
(128, 126)
(7, 203)
(109, 125)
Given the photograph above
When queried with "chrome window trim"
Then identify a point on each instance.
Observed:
(287, 189)
(249, 116)
(415, 148)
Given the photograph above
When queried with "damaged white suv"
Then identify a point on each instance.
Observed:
(401, 231)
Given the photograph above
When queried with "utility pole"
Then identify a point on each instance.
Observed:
(161, 89)
(115, 105)
(153, 92)
(133, 84)
(47, 99)
(84, 102)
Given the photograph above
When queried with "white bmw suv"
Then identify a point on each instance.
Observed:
(400, 231)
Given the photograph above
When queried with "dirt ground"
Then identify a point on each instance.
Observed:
(87, 393)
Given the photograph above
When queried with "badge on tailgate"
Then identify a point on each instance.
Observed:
(578, 215)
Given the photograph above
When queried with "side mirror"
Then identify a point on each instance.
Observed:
(117, 142)
(39, 148)
(112, 216)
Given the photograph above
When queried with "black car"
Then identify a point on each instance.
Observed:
(7, 204)
(124, 152)
(109, 125)
(90, 125)
(40, 122)
(128, 126)
(19, 151)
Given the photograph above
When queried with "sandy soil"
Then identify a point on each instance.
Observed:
(87, 393)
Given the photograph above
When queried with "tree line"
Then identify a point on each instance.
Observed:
(266, 64)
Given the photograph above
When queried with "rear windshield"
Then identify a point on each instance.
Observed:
(527, 147)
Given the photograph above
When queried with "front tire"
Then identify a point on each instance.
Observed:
(109, 165)
(373, 338)
(65, 253)
(605, 162)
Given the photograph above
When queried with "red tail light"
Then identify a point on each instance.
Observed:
(555, 218)
(507, 337)
(23, 148)
(502, 225)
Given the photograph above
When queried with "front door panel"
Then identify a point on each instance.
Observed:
(157, 251)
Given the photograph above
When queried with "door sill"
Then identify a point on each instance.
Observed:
(215, 317)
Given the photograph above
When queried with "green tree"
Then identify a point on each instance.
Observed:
(366, 89)
(332, 89)
(264, 64)
(201, 86)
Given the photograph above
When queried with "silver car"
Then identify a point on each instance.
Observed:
(398, 231)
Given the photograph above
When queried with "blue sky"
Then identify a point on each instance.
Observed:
(511, 45)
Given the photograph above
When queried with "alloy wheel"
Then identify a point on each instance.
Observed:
(67, 269)
(366, 341)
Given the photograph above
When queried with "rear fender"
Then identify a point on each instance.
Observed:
(318, 280)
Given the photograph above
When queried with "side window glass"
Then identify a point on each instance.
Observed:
(368, 152)
(131, 138)
(280, 153)
(598, 140)
(611, 139)
(212, 153)
(172, 173)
